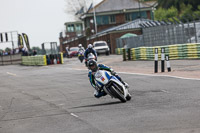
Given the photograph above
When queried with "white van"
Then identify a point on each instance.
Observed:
(101, 47)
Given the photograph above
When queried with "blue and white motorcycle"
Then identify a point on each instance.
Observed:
(111, 85)
(91, 56)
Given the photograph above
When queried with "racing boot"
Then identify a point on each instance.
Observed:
(99, 93)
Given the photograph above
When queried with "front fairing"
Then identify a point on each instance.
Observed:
(81, 53)
(102, 78)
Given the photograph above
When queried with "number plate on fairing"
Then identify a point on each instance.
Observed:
(101, 77)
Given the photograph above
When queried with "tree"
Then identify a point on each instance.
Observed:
(76, 7)
(160, 14)
(177, 4)
(197, 12)
(186, 12)
(36, 48)
(7, 49)
(163, 14)
(168, 3)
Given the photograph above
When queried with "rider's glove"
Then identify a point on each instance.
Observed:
(113, 72)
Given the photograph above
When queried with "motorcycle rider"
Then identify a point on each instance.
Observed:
(81, 51)
(81, 48)
(89, 50)
(93, 67)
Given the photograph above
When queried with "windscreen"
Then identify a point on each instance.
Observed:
(99, 44)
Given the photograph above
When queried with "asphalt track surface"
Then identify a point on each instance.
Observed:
(59, 99)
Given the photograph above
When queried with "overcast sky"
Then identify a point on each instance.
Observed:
(41, 20)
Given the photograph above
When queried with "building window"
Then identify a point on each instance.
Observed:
(102, 20)
(78, 27)
(112, 19)
(87, 23)
(70, 28)
(128, 17)
(135, 15)
(144, 14)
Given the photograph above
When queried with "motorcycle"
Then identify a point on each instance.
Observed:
(111, 85)
(91, 56)
(81, 55)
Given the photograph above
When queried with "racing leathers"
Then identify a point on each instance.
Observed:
(87, 51)
(99, 91)
(81, 49)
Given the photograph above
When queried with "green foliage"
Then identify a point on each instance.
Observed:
(8, 49)
(169, 3)
(172, 12)
(197, 12)
(186, 12)
(36, 48)
(162, 14)
(184, 9)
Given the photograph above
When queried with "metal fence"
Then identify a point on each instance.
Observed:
(159, 33)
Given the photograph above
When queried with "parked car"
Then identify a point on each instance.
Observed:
(73, 51)
(101, 47)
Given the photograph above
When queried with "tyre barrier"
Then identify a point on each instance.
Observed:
(119, 51)
(176, 51)
(42, 60)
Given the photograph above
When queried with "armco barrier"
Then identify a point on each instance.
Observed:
(176, 51)
(10, 59)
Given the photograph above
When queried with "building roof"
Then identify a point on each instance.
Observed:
(116, 5)
(130, 25)
(74, 22)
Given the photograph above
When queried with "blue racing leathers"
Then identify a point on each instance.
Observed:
(90, 50)
(101, 67)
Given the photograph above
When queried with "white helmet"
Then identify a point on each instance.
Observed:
(90, 46)
(80, 45)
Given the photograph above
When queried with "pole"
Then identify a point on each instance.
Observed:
(156, 61)
(95, 22)
(168, 63)
(162, 59)
(12, 41)
(139, 8)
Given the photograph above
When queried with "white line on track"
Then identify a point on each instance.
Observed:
(159, 75)
(142, 74)
(74, 115)
(11, 74)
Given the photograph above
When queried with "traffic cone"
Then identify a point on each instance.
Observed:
(58, 61)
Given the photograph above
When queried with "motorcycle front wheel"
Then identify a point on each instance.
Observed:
(117, 93)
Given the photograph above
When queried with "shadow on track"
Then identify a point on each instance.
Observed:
(94, 105)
